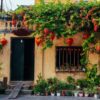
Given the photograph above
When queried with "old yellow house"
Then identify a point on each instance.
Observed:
(23, 60)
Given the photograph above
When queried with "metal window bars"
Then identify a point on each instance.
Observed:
(68, 58)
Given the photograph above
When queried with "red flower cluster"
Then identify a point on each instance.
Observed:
(47, 34)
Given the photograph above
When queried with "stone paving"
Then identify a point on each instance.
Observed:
(30, 97)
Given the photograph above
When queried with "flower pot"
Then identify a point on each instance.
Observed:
(52, 94)
(76, 94)
(80, 94)
(95, 96)
(86, 94)
(46, 94)
(58, 94)
(63, 93)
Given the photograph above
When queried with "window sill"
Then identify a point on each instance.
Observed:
(69, 71)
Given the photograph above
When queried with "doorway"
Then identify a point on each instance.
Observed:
(22, 59)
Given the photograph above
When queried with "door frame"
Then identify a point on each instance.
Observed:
(11, 55)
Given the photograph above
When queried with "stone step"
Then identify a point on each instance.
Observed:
(24, 91)
(15, 92)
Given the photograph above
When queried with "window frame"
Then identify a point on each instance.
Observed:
(57, 70)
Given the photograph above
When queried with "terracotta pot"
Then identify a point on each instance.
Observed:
(63, 92)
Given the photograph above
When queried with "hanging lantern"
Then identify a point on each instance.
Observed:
(69, 41)
(86, 36)
(38, 41)
(3, 41)
(97, 47)
(14, 22)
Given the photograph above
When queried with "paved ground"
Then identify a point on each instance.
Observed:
(29, 97)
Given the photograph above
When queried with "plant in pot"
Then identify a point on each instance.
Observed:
(95, 92)
(41, 86)
(76, 93)
(69, 93)
(80, 94)
(61, 86)
(53, 85)
(82, 83)
(86, 92)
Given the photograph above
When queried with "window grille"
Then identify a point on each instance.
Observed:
(68, 58)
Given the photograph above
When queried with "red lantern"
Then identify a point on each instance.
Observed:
(3, 41)
(97, 47)
(52, 37)
(86, 36)
(46, 31)
(14, 22)
(96, 27)
(69, 41)
(38, 41)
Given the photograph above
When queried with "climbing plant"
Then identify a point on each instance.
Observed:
(55, 20)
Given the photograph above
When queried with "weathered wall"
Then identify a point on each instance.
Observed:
(45, 60)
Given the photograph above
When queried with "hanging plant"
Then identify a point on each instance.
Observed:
(22, 32)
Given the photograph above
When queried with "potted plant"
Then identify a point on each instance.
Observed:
(61, 88)
(69, 93)
(81, 94)
(41, 86)
(58, 93)
(76, 93)
(86, 92)
(95, 92)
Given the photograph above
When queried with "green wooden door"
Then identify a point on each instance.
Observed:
(17, 60)
(22, 59)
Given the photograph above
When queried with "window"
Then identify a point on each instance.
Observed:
(68, 58)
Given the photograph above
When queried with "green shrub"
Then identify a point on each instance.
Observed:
(70, 86)
(70, 80)
(69, 93)
(61, 85)
(97, 80)
(41, 85)
(82, 83)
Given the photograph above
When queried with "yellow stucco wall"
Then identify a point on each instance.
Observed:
(45, 60)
